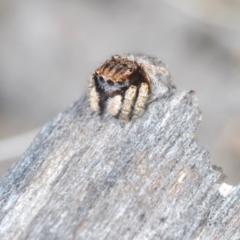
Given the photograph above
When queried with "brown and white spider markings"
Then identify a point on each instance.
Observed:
(124, 85)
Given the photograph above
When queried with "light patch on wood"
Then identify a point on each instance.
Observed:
(225, 189)
(143, 167)
(179, 181)
(192, 134)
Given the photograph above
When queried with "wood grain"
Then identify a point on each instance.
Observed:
(87, 177)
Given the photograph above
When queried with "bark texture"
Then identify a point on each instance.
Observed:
(87, 177)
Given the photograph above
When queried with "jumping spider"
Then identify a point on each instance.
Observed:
(124, 85)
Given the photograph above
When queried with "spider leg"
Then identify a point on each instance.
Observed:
(114, 105)
(141, 100)
(93, 95)
(128, 102)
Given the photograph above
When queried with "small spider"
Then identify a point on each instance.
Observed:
(124, 85)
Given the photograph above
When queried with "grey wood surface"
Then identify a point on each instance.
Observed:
(87, 177)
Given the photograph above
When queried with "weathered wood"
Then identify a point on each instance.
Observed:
(87, 177)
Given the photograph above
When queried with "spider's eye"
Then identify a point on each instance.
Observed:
(110, 82)
(130, 70)
(120, 83)
(101, 79)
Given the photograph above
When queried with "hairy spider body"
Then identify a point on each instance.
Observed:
(123, 85)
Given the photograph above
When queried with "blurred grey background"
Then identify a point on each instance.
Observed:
(49, 48)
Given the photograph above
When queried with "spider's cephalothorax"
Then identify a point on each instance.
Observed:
(122, 86)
